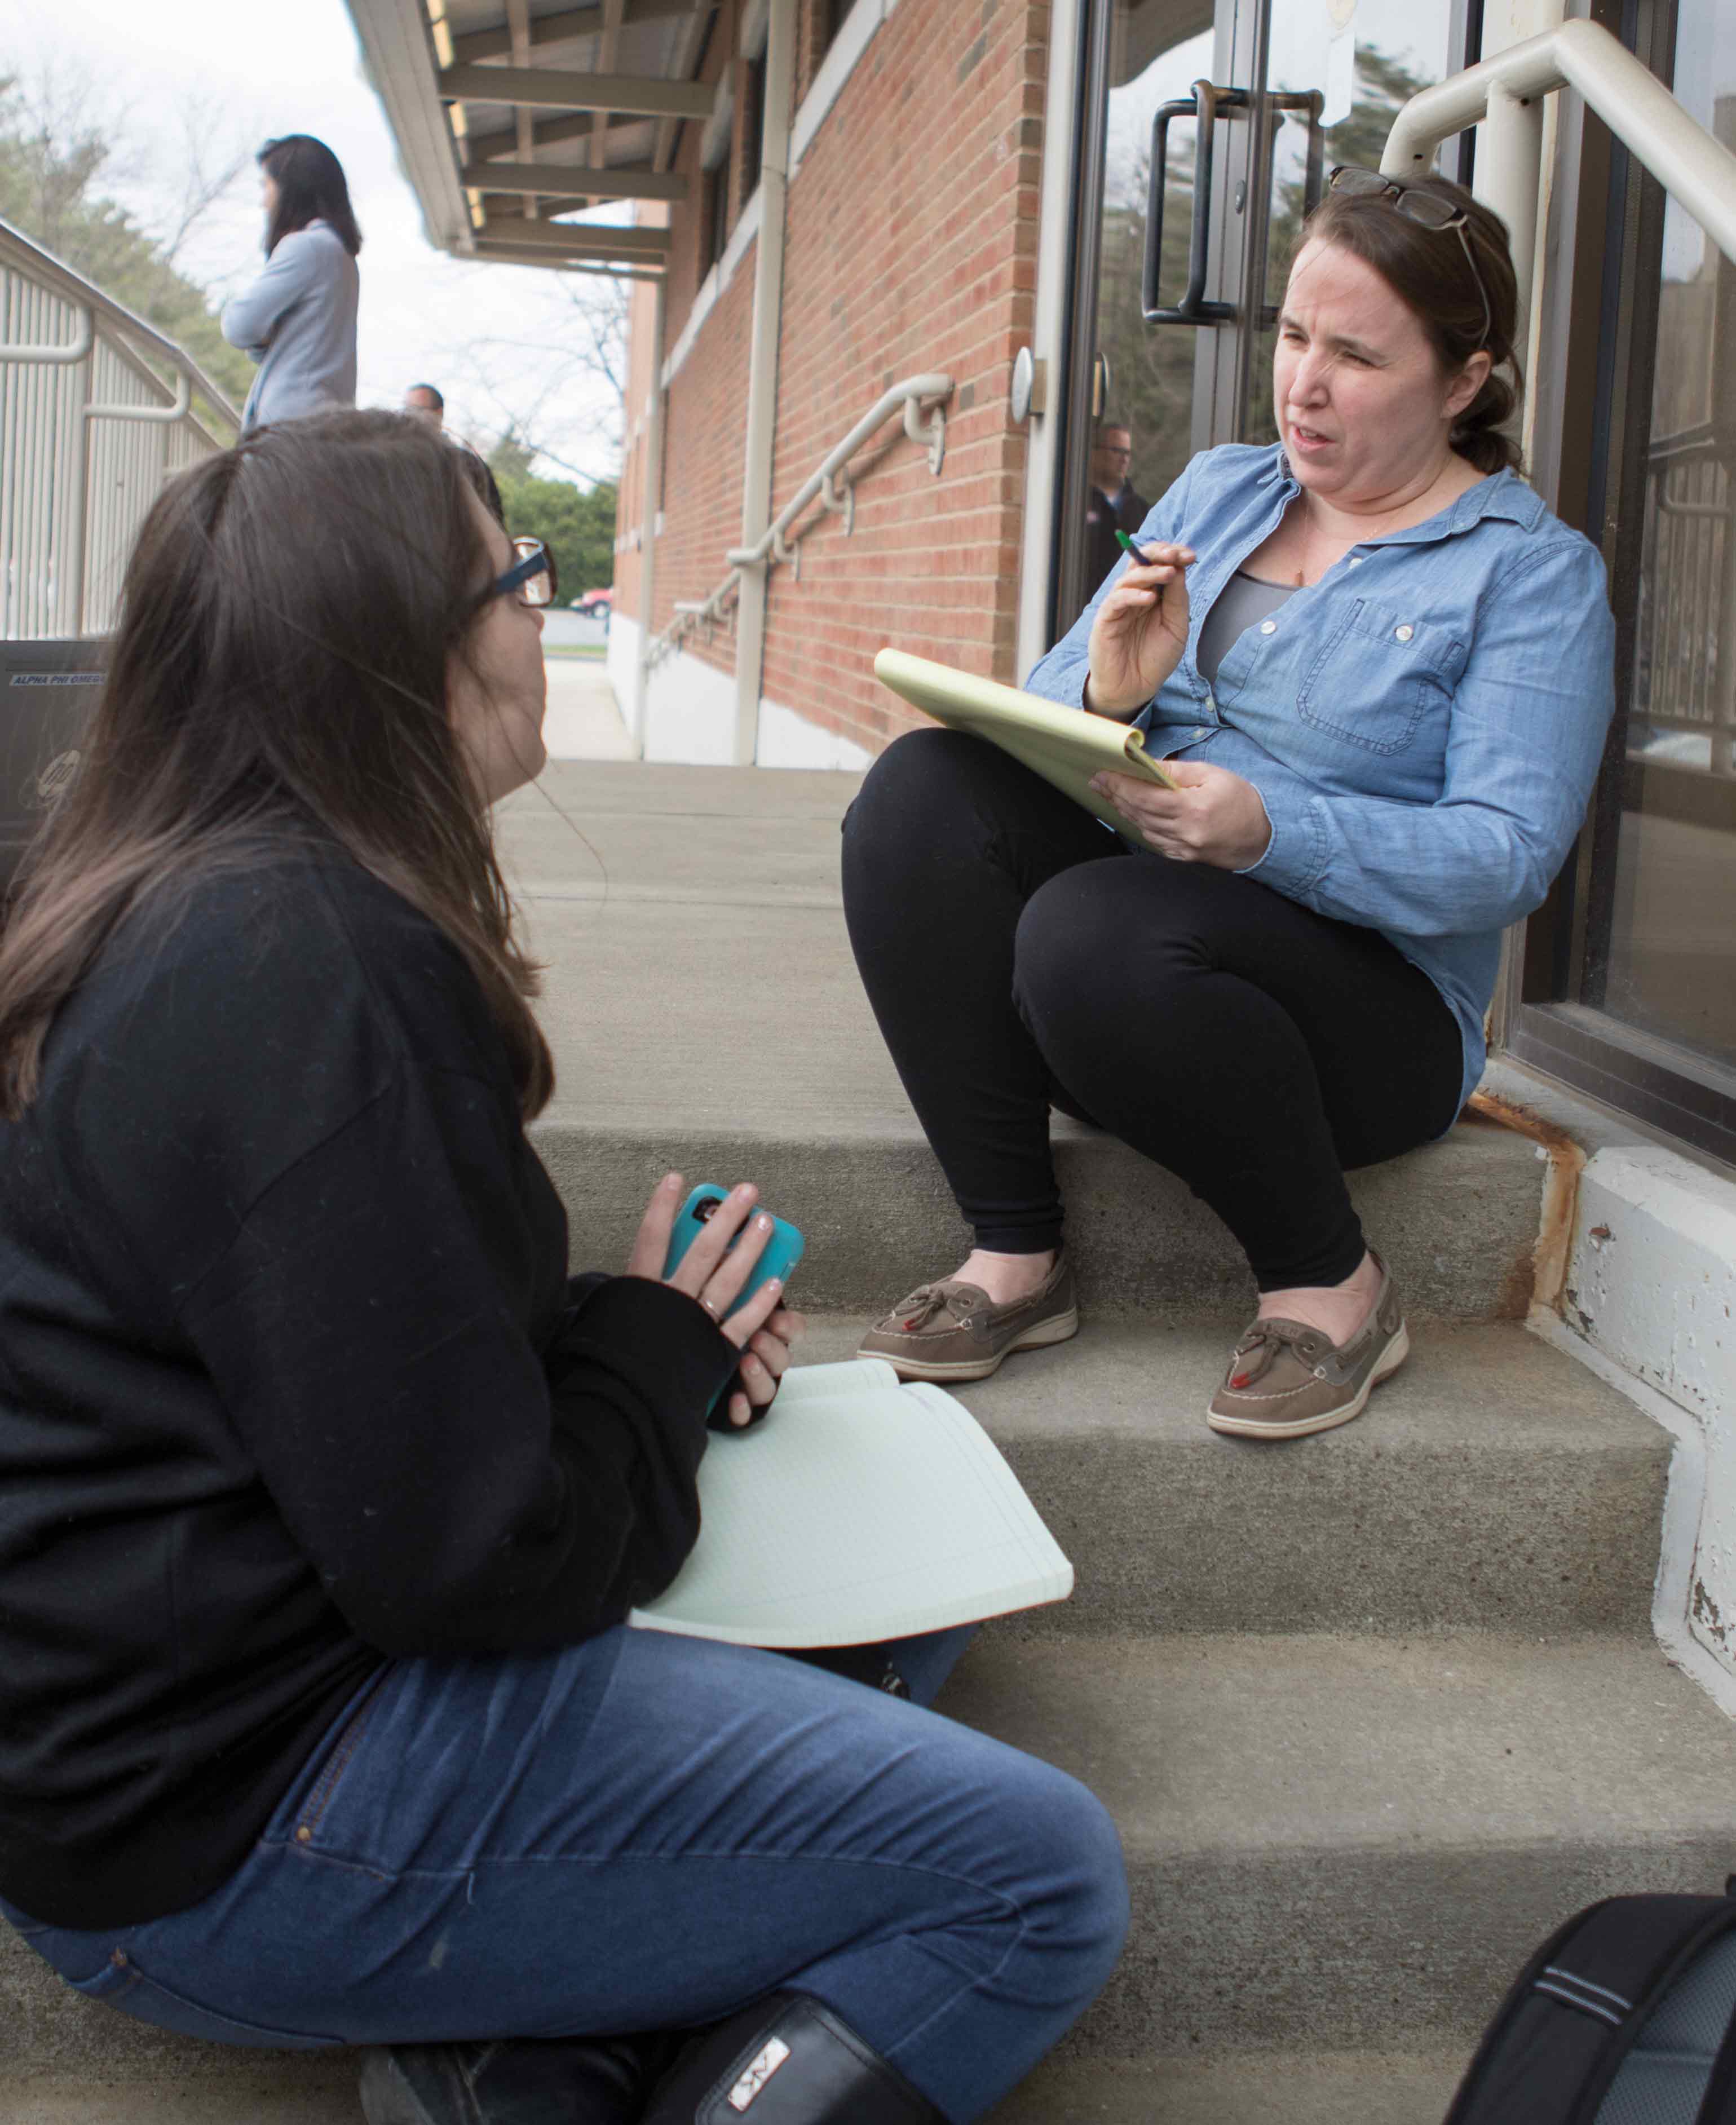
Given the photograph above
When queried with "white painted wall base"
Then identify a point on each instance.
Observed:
(621, 661)
(690, 716)
(1649, 1301)
(1651, 1283)
(690, 712)
(788, 740)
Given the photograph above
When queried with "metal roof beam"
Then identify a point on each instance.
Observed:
(579, 239)
(510, 254)
(563, 28)
(631, 181)
(548, 132)
(547, 89)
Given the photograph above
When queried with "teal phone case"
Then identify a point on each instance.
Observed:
(778, 1257)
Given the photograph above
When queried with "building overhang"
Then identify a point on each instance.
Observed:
(516, 119)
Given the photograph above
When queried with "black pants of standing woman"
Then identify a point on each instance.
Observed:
(1018, 956)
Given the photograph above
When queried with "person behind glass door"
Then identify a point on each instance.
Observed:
(1113, 503)
(298, 319)
(1380, 670)
(327, 1488)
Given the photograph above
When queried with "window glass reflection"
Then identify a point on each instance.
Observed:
(1671, 965)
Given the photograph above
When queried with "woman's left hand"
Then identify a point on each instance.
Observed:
(764, 1363)
(1212, 816)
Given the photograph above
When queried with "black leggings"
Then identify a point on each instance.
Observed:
(1018, 957)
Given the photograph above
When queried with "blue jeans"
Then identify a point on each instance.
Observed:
(647, 1831)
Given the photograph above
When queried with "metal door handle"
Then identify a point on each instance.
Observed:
(1101, 382)
(1311, 102)
(1206, 104)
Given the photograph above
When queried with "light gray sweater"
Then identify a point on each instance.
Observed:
(298, 322)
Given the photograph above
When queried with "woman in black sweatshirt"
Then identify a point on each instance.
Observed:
(324, 1489)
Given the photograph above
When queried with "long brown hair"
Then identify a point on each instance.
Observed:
(1427, 270)
(279, 676)
(310, 187)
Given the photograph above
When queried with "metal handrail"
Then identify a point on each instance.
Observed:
(829, 481)
(89, 431)
(102, 317)
(1506, 94)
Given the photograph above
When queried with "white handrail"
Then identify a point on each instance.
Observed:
(1506, 94)
(915, 396)
(102, 316)
(89, 431)
(164, 416)
(62, 351)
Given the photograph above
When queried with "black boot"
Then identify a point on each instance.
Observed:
(787, 2060)
(555, 2080)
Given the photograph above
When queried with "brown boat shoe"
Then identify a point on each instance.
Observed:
(952, 1330)
(1286, 1379)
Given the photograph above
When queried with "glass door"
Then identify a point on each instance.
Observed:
(1628, 984)
(1211, 129)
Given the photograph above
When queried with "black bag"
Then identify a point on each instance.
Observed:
(1624, 2018)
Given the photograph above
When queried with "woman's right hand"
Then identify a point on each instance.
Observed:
(1139, 632)
(710, 1271)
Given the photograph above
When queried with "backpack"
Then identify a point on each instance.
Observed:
(1624, 2017)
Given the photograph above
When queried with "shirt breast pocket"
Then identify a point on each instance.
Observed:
(1384, 680)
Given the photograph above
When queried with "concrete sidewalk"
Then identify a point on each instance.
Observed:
(583, 722)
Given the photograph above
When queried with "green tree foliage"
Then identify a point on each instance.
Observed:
(52, 168)
(577, 524)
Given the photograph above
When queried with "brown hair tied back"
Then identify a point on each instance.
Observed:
(1426, 269)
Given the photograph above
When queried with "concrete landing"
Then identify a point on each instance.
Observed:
(705, 1013)
(1280, 2090)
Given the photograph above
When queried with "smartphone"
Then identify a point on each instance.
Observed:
(778, 1257)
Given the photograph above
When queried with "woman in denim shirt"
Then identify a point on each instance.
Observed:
(1380, 671)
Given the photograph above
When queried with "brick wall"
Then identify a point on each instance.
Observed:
(911, 245)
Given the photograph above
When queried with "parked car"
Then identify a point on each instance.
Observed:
(595, 605)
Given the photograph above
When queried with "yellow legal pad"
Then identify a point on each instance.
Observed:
(1066, 746)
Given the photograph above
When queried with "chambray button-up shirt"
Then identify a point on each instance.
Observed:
(1423, 724)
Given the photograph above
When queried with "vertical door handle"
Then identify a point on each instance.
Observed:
(1101, 381)
(1205, 104)
(1310, 103)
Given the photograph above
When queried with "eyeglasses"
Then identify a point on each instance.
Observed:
(1426, 208)
(533, 577)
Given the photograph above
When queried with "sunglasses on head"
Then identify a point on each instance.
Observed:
(1426, 208)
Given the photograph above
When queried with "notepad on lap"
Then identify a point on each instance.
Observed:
(1066, 746)
(858, 1510)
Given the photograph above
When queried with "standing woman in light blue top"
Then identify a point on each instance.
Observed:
(1380, 672)
(298, 320)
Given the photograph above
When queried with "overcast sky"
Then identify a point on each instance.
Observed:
(264, 72)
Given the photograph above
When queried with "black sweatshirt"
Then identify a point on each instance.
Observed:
(292, 1379)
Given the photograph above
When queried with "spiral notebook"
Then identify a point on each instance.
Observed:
(1066, 746)
(859, 1510)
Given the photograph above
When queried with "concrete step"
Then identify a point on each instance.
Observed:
(705, 1014)
(1492, 1483)
(1351, 1844)
(1280, 2090)
(1341, 1848)
(1456, 1222)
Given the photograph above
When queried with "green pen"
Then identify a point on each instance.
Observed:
(1144, 559)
